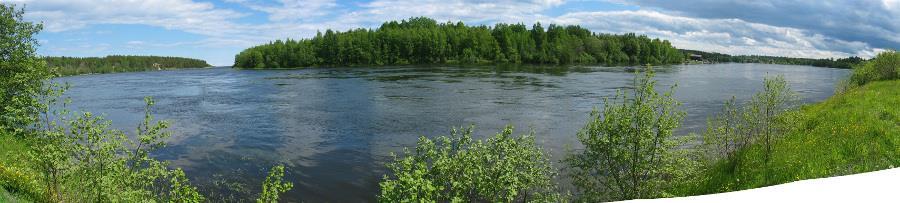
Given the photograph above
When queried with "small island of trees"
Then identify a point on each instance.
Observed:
(711, 57)
(113, 64)
(422, 40)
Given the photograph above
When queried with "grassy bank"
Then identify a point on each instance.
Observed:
(854, 132)
(18, 182)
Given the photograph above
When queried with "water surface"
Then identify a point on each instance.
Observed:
(335, 128)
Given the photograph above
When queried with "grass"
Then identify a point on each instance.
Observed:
(18, 180)
(11, 198)
(854, 132)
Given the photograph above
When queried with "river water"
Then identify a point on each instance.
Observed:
(335, 128)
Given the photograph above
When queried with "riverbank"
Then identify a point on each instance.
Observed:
(854, 132)
(18, 179)
(877, 186)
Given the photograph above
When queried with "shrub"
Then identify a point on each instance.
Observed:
(22, 73)
(82, 160)
(762, 122)
(274, 186)
(629, 151)
(456, 168)
(885, 66)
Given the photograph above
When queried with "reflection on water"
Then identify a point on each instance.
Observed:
(335, 128)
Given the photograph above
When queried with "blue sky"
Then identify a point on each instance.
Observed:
(216, 30)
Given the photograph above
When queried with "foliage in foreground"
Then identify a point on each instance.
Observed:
(885, 66)
(274, 186)
(629, 151)
(761, 122)
(114, 64)
(16, 175)
(50, 154)
(855, 132)
(456, 168)
(80, 159)
(21, 72)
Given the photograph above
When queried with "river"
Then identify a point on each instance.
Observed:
(334, 128)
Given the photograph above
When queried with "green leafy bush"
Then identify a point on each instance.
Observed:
(762, 122)
(458, 169)
(629, 151)
(22, 73)
(82, 160)
(885, 66)
(274, 186)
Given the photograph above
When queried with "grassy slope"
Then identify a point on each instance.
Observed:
(855, 132)
(18, 181)
(9, 197)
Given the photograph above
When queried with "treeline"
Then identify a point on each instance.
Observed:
(712, 57)
(113, 64)
(424, 41)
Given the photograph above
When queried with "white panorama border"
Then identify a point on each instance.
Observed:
(876, 186)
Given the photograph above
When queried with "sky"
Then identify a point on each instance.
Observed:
(216, 30)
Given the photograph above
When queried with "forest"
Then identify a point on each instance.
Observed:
(113, 64)
(423, 40)
(711, 57)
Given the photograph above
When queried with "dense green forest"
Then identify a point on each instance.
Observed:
(113, 64)
(712, 57)
(424, 41)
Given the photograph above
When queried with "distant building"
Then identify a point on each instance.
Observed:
(696, 57)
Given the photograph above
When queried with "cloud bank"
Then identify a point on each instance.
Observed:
(801, 28)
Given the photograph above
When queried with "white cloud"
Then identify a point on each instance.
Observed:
(184, 15)
(373, 13)
(302, 18)
(457, 10)
(870, 21)
(291, 9)
(732, 36)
